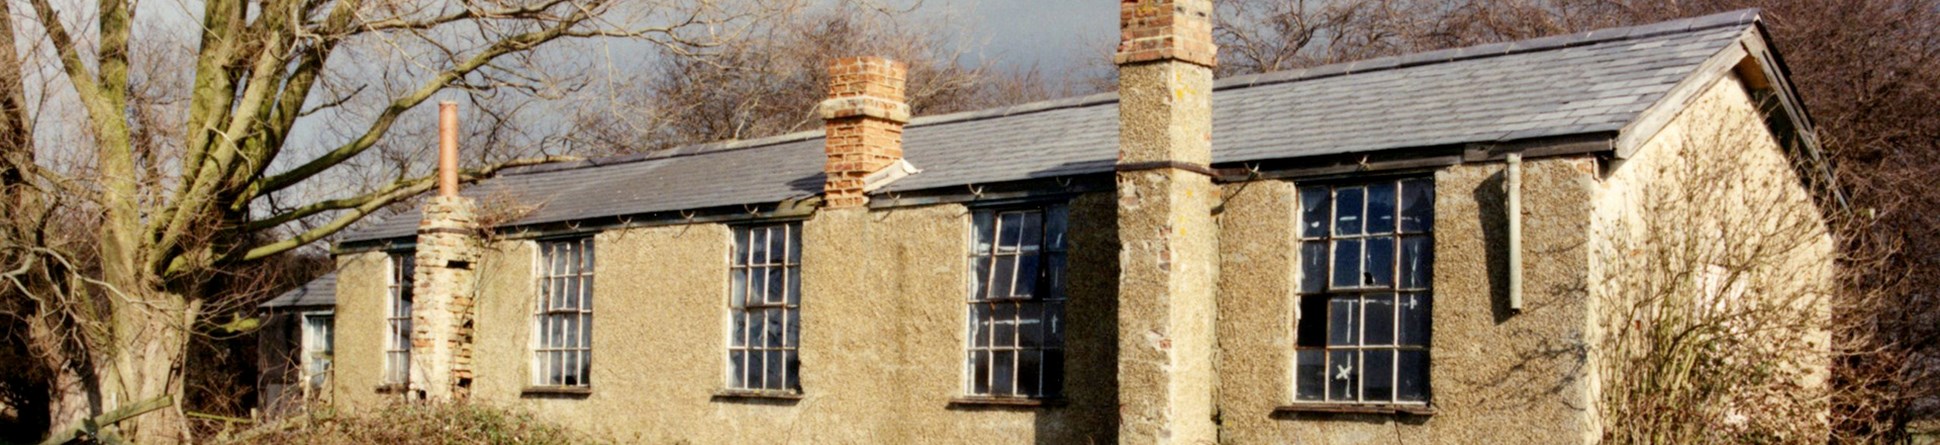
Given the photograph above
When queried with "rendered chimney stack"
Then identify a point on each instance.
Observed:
(863, 117)
(1168, 262)
(448, 246)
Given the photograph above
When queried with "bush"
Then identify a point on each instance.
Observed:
(412, 423)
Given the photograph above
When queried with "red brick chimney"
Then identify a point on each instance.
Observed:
(864, 117)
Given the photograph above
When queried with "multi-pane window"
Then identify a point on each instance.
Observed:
(1366, 258)
(319, 344)
(765, 297)
(1016, 341)
(563, 321)
(397, 322)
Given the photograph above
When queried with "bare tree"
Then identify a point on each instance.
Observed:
(772, 83)
(198, 157)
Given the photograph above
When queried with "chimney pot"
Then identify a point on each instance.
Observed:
(448, 149)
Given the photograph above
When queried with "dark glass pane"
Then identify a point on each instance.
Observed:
(1415, 319)
(1417, 205)
(758, 245)
(1054, 324)
(1312, 331)
(1417, 263)
(1347, 210)
(1030, 325)
(1377, 384)
(1003, 372)
(777, 285)
(777, 366)
(1053, 372)
(738, 336)
(1009, 231)
(1380, 208)
(983, 229)
(1379, 269)
(1343, 375)
(794, 367)
(1027, 275)
(1054, 275)
(1001, 277)
(1030, 368)
(756, 322)
(778, 243)
(1379, 313)
(757, 285)
(794, 285)
(755, 368)
(776, 332)
(1310, 374)
(1343, 320)
(1054, 228)
(1313, 266)
(1411, 383)
(1031, 230)
(740, 245)
(794, 243)
(1004, 328)
(1347, 263)
(1315, 209)
(586, 263)
(980, 372)
(794, 328)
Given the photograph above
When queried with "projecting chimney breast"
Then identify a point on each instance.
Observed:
(863, 117)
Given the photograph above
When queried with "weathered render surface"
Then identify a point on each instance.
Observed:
(1496, 377)
(884, 310)
(358, 367)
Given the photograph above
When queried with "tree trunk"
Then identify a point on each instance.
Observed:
(150, 341)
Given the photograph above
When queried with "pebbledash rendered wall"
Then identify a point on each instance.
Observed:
(884, 322)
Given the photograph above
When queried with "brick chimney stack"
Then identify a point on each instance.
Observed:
(448, 245)
(863, 117)
(1168, 262)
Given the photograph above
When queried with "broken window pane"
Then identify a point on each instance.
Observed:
(1315, 208)
(1313, 266)
(1378, 271)
(1347, 263)
(1313, 321)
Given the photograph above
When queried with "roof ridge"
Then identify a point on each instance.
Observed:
(1736, 18)
(1741, 17)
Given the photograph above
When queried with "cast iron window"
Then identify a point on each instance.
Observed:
(563, 326)
(397, 345)
(1016, 332)
(1366, 258)
(765, 297)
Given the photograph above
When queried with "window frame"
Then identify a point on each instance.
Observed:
(314, 381)
(789, 308)
(544, 370)
(1049, 293)
(399, 298)
(1394, 290)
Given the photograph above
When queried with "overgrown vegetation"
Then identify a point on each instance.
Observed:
(411, 423)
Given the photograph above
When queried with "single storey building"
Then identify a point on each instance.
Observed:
(1415, 249)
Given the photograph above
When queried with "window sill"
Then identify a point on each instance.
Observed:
(1004, 402)
(1346, 408)
(557, 391)
(757, 395)
(392, 388)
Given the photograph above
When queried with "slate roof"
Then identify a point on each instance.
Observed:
(318, 292)
(1595, 82)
